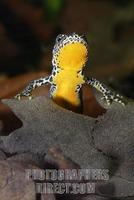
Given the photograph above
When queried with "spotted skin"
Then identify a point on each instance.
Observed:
(32, 85)
(70, 54)
(108, 95)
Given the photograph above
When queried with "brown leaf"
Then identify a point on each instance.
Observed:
(10, 87)
(13, 182)
(103, 144)
(56, 158)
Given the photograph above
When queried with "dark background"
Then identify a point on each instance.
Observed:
(28, 29)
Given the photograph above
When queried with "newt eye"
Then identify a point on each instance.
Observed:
(84, 38)
(59, 37)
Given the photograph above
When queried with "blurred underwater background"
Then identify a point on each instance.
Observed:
(28, 29)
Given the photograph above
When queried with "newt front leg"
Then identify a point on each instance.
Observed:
(109, 95)
(32, 85)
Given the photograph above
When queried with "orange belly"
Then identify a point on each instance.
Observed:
(65, 94)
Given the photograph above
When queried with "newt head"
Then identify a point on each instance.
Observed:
(70, 52)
